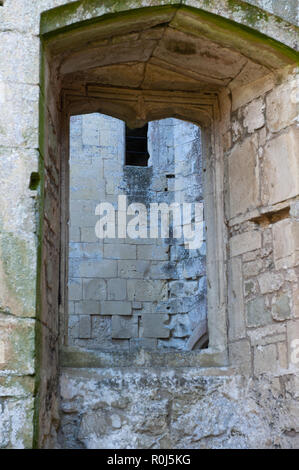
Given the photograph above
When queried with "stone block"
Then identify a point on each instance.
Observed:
(152, 252)
(180, 326)
(124, 328)
(257, 314)
(114, 307)
(88, 235)
(17, 345)
(101, 330)
(84, 327)
(112, 167)
(281, 308)
(93, 423)
(165, 345)
(282, 355)
(73, 328)
(119, 251)
(15, 66)
(154, 326)
(250, 288)
(98, 268)
(270, 282)
(240, 356)
(282, 106)
(86, 250)
(75, 289)
(269, 334)
(194, 268)
(22, 102)
(164, 270)
(133, 269)
(143, 343)
(245, 242)
(294, 211)
(117, 289)
(89, 189)
(252, 268)
(295, 297)
(88, 307)
(251, 256)
(244, 94)
(236, 314)
(147, 290)
(243, 177)
(94, 289)
(265, 359)
(286, 243)
(82, 213)
(293, 343)
(71, 307)
(74, 234)
(281, 168)
(254, 115)
(2, 92)
(183, 288)
(90, 129)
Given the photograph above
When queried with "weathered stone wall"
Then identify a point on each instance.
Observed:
(126, 293)
(26, 331)
(262, 210)
(172, 408)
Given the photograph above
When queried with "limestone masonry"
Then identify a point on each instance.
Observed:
(146, 343)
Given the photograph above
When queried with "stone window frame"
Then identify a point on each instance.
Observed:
(250, 33)
(137, 108)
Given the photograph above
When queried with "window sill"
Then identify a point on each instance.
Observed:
(81, 358)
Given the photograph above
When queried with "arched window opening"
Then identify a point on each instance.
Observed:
(136, 146)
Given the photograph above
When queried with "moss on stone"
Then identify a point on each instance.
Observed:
(252, 13)
(232, 31)
(63, 18)
(17, 386)
(34, 181)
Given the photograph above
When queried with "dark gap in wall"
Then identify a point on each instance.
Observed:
(272, 216)
(136, 146)
(34, 181)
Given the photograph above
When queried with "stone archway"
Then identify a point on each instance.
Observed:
(140, 65)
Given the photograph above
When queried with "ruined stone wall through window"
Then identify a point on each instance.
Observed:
(129, 293)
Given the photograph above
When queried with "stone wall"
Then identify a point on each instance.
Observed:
(171, 408)
(126, 293)
(262, 210)
(31, 122)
